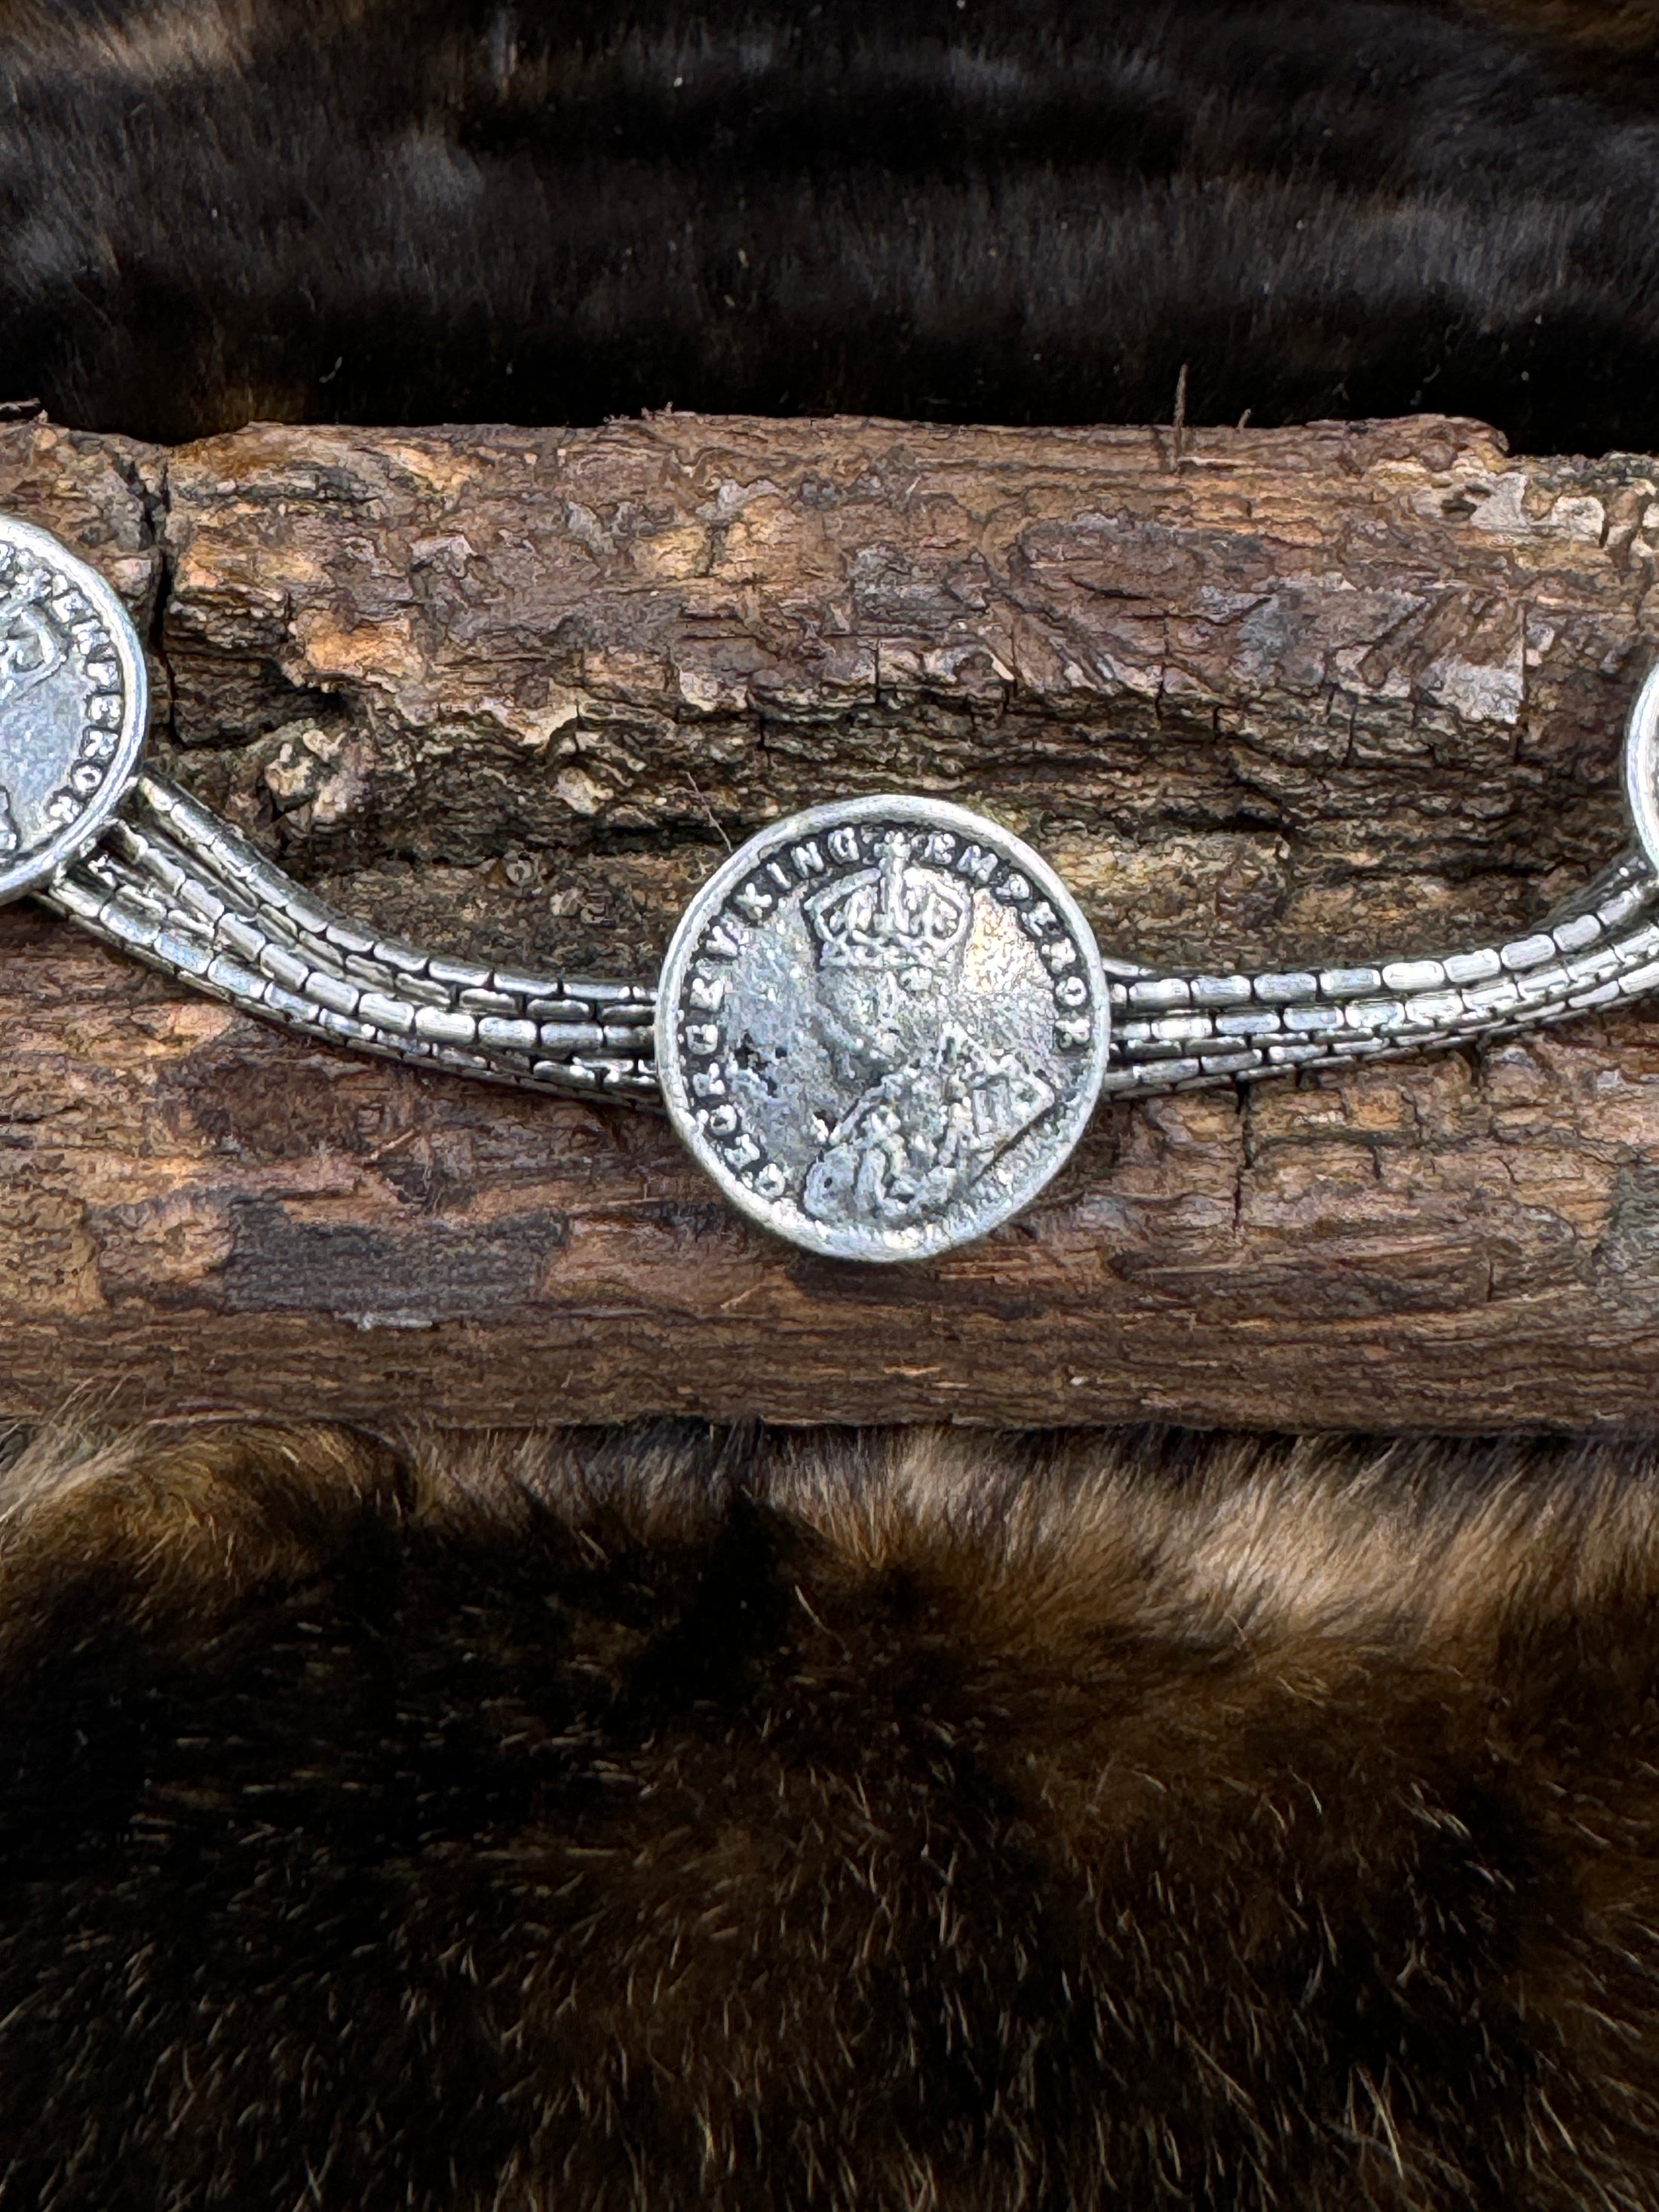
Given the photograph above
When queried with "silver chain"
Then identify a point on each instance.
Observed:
(174, 885)
(1176, 1032)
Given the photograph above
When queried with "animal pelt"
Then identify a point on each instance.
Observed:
(670, 1819)
(1018, 210)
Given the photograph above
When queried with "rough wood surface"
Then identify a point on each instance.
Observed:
(1344, 691)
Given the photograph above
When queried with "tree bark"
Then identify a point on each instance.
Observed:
(1343, 692)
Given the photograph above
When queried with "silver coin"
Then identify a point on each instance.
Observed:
(73, 705)
(882, 1026)
(1642, 767)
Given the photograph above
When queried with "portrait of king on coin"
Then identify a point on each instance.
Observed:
(883, 1027)
(936, 1106)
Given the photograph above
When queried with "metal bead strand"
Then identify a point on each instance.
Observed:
(1178, 1031)
(173, 885)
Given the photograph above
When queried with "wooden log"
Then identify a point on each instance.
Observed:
(1347, 690)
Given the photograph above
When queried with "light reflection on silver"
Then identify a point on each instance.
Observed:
(882, 1027)
(73, 704)
(1642, 766)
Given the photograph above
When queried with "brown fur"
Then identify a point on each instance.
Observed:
(1619, 27)
(668, 1819)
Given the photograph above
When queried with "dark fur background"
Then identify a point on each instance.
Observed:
(671, 1820)
(1018, 210)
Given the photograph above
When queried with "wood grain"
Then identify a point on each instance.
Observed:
(1341, 691)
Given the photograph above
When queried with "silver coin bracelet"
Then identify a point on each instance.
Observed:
(881, 1026)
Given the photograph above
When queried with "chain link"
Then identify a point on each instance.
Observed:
(174, 885)
(1179, 1031)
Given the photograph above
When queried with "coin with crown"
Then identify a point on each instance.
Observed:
(882, 1027)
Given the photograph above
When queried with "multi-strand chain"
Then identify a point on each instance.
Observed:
(173, 885)
(1178, 1031)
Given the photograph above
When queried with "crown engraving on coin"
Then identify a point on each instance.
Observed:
(882, 1027)
(72, 705)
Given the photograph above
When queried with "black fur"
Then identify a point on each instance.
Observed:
(1022, 210)
(858, 1824)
